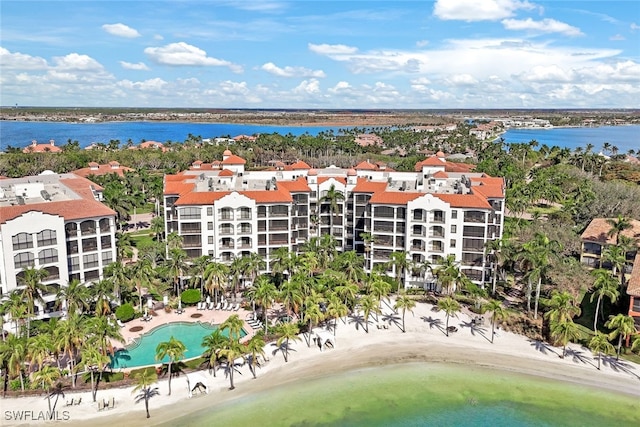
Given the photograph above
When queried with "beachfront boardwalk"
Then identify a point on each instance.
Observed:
(424, 340)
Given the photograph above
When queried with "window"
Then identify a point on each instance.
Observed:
(105, 225)
(189, 213)
(47, 238)
(452, 243)
(24, 259)
(74, 263)
(88, 227)
(105, 242)
(90, 244)
(47, 256)
(22, 241)
(209, 210)
(107, 258)
(90, 261)
(71, 229)
(209, 225)
(91, 275)
(72, 247)
(454, 229)
(454, 214)
(210, 240)
(383, 212)
(245, 213)
(225, 214)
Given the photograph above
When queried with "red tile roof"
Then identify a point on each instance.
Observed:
(430, 161)
(201, 198)
(440, 174)
(234, 160)
(298, 186)
(489, 191)
(363, 185)
(365, 165)
(42, 148)
(300, 165)
(341, 179)
(99, 170)
(633, 285)
(178, 187)
(394, 197)
(225, 172)
(280, 195)
(458, 167)
(598, 228)
(464, 200)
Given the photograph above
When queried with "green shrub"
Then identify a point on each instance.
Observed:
(190, 296)
(125, 312)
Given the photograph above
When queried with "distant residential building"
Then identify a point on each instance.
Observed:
(99, 170)
(49, 147)
(227, 212)
(368, 140)
(595, 239)
(57, 223)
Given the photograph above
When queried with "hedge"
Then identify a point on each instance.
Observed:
(125, 312)
(190, 296)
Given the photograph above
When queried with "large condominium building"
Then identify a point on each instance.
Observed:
(224, 211)
(56, 223)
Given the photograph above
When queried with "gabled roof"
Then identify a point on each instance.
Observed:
(394, 197)
(430, 161)
(234, 160)
(365, 165)
(489, 191)
(297, 186)
(225, 172)
(441, 175)
(341, 179)
(280, 195)
(363, 185)
(178, 187)
(300, 165)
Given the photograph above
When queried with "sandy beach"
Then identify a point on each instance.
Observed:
(424, 340)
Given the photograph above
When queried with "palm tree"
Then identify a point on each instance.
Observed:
(74, 297)
(368, 304)
(265, 293)
(635, 347)
(291, 296)
(333, 199)
(351, 264)
(177, 264)
(562, 307)
(101, 293)
(173, 348)
(335, 309)
(213, 343)
(448, 273)
(618, 225)
(252, 265)
(450, 308)
(404, 303)
(538, 253)
(142, 274)
(45, 377)
(605, 285)
(622, 326)
(103, 330)
(347, 291)
(157, 227)
(16, 308)
(231, 349)
(16, 356)
(144, 380)
(94, 361)
(600, 344)
(118, 274)
(32, 289)
(288, 332)
(234, 325)
(255, 347)
(38, 349)
(498, 313)
(400, 263)
(215, 275)
(71, 339)
(563, 331)
(617, 257)
(312, 314)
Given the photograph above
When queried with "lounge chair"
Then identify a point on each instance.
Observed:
(79, 401)
(236, 307)
(100, 405)
(230, 306)
(70, 402)
(218, 305)
(201, 305)
(113, 403)
(211, 305)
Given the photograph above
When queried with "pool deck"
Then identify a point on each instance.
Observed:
(214, 317)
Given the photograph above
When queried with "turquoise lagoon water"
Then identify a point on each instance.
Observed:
(423, 394)
(143, 351)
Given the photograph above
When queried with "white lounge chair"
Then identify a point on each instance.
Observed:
(236, 307)
(200, 305)
(211, 305)
(230, 306)
(219, 305)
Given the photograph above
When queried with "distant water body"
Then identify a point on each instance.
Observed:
(624, 137)
(20, 134)
(422, 394)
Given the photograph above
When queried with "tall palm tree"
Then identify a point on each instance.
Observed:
(562, 307)
(16, 308)
(450, 308)
(348, 292)
(16, 356)
(255, 347)
(400, 264)
(231, 350)
(174, 349)
(368, 304)
(45, 377)
(600, 344)
(119, 276)
(312, 314)
(252, 265)
(616, 256)
(333, 199)
(448, 273)
(32, 289)
(265, 293)
(288, 332)
(234, 325)
(177, 263)
(101, 295)
(142, 274)
(213, 343)
(74, 297)
(605, 285)
(38, 350)
(291, 296)
(622, 326)
(498, 313)
(93, 360)
(564, 330)
(214, 278)
(71, 339)
(282, 262)
(144, 380)
(618, 225)
(404, 303)
(335, 309)
(352, 265)
(102, 330)
(538, 252)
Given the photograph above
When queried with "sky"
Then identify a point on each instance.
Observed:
(319, 54)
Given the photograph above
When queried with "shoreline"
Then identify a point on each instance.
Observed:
(424, 341)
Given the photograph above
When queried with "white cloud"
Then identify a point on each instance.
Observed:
(341, 87)
(309, 87)
(121, 30)
(287, 71)
(332, 49)
(617, 37)
(461, 80)
(141, 66)
(158, 37)
(151, 85)
(20, 61)
(478, 10)
(550, 73)
(422, 43)
(77, 62)
(183, 54)
(634, 26)
(544, 26)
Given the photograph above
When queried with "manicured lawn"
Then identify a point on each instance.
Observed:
(142, 238)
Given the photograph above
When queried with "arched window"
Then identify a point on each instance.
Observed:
(48, 256)
(47, 238)
(23, 259)
(105, 225)
(22, 241)
(88, 227)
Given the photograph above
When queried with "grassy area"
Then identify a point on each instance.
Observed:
(141, 238)
(145, 209)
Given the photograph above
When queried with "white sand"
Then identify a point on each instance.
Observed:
(423, 341)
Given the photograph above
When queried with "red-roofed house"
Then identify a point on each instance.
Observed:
(50, 147)
(99, 170)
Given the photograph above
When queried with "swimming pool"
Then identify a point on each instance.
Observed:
(143, 351)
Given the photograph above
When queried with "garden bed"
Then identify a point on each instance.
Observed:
(136, 329)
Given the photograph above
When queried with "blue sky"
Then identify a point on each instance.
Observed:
(321, 54)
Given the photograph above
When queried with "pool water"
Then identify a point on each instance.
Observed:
(143, 351)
